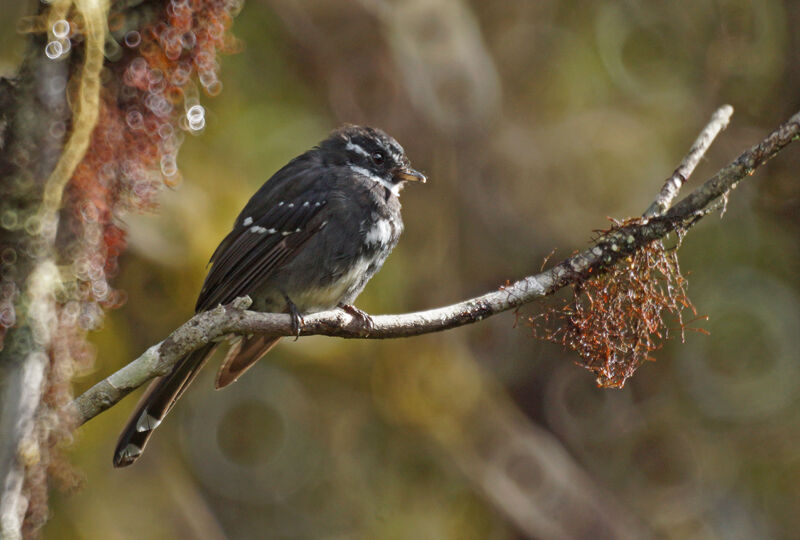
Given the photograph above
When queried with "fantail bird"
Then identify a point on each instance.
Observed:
(308, 240)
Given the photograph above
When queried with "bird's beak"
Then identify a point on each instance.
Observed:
(407, 174)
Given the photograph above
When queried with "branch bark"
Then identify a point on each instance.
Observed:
(608, 249)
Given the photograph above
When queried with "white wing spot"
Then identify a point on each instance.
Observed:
(317, 204)
(258, 229)
(247, 221)
(280, 203)
(291, 205)
(306, 203)
(271, 231)
(286, 233)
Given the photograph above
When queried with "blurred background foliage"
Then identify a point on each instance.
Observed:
(534, 121)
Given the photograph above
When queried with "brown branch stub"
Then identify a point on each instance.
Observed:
(618, 244)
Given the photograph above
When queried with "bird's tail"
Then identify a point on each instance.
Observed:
(154, 405)
(242, 356)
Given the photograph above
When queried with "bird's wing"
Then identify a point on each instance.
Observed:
(270, 231)
(288, 203)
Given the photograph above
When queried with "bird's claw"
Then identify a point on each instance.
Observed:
(363, 317)
(297, 318)
(297, 324)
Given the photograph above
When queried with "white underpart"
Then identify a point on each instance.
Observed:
(247, 221)
(326, 298)
(381, 233)
(356, 148)
(394, 188)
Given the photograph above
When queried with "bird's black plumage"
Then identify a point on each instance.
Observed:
(308, 240)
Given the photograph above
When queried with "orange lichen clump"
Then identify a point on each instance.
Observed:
(148, 101)
(616, 320)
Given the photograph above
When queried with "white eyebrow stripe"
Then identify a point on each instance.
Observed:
(394, 188)
(356, 148)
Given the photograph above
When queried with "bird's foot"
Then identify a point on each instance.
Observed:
(297, 318)
(363, 317)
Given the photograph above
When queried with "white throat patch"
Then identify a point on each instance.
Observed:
(394, 188)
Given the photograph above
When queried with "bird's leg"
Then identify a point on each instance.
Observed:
(363, 317)
(297, 317)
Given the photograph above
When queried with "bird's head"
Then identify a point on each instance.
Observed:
(374, 154)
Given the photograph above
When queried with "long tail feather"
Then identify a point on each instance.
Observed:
(242, 356)
(154, 405)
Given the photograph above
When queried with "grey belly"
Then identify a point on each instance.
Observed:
(322, 276)
(342, 287)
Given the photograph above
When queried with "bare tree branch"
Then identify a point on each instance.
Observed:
(608, 249)
(719, 121)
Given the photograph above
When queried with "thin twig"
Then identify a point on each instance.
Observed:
(609, 248)
(719, 121)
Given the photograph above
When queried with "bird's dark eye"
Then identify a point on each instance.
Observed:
(377, 158)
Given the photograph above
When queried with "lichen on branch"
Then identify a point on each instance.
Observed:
(615, 320)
